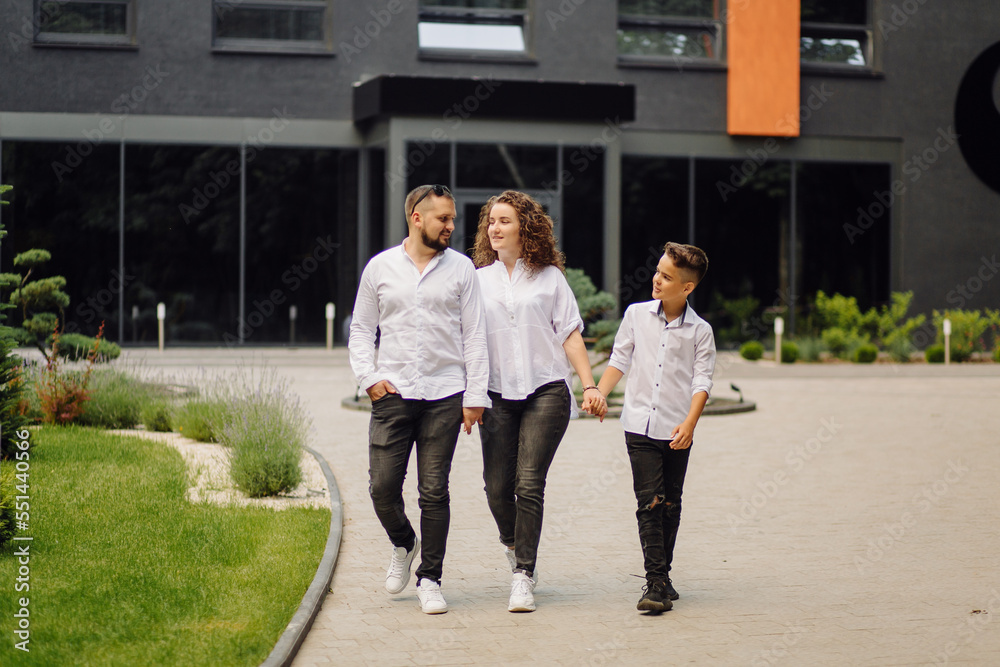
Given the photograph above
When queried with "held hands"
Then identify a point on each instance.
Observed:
(380, 389)
(594, 402)
(471, 416)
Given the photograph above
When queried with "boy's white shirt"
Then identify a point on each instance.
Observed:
(669, 362)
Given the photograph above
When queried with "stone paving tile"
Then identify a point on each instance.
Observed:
(852, 519)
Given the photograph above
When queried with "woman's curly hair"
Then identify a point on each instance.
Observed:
(538, 243)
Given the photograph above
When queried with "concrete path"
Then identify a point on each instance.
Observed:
(854, 518)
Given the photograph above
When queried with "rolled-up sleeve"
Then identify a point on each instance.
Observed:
(364, 322)
(477, 360)
(704, 361)
(621, 354)
(565, 311)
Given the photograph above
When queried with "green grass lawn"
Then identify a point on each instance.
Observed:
(124, 571)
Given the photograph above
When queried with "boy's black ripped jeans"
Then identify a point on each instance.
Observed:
(658, 481)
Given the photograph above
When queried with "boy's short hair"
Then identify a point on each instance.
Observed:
(688, 258)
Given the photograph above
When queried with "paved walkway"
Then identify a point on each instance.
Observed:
(854, 518)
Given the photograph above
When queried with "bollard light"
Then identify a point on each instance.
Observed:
(779, 329)
(293, 314)
(331, 313)
(946, 326)
(161, 314)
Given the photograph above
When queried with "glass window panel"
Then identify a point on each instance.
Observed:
(300, 249)
(428, 162)
(847, 50)
(667, 41)
(476, 36)
(688, 8)
(182, 239)
(853, 12)
(298, 24)
(654, 211)
(65, 200)
(506, 166)
(582, 221)
(91, 18)
(476, 4)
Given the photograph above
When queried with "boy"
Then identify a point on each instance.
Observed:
(671, 351)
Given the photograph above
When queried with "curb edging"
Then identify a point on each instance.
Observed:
(291, 639)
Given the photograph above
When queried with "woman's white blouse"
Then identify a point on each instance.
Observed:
(527, 321)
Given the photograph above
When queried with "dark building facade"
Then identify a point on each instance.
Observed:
(234, 158)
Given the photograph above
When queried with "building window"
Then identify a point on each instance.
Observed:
(677, 31)
(836, 33)
(97, 23)
(473, 27)
(285, 26)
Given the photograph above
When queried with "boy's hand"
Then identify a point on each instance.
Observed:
(682, 436)
(594, 403)
(471, 416)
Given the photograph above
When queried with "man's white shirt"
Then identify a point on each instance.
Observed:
(528, 319)
(433, 327)
(670, 362)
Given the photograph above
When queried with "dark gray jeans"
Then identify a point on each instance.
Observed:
(397, 424)
(519, 441)
(658, 480)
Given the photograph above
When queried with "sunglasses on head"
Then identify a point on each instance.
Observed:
(438, 190)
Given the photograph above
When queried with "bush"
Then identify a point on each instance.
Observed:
(265, 432)
(75, 347)
(157, 415)
(116, 400)
(752, 350)
(967, 329)
(865, 354)
(835, 339)
(789, 352)
(202, 419)
(7, 492)
(996, 354)
(809, 348)
(604, 331)
(900, 348)
(935, 354)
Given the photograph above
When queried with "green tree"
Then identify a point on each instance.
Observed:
(11, 384)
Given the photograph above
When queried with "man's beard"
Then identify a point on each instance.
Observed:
(436, 244)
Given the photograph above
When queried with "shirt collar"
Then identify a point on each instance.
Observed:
(656, 307)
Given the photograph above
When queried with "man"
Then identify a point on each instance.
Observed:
(429, 382)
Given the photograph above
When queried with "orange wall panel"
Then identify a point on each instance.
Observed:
(763, 57)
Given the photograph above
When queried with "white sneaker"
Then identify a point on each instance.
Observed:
(431, 600)
(521, 593)
(398, 574)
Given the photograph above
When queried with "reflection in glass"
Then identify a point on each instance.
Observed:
(93, 18)
(475, 36)
(687, 8)
(851, 12)
(667, 41)
(505, 166)
(849, 51)
(654, 211)
(294, 24)
(582, 223)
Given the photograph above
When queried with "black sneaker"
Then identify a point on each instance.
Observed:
(654, 598)
(669, 592)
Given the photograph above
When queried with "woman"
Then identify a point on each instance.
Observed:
(534, 336)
